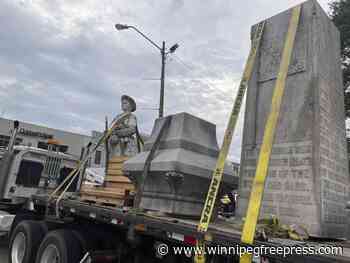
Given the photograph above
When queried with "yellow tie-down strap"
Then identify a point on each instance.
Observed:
(220, 164)
(256, 194)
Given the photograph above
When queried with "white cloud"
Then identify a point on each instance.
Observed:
(64, 65)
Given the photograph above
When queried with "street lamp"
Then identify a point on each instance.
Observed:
(163, 53)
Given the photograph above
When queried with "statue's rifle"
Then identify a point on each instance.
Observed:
(75, 172)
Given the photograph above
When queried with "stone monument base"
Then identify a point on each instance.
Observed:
(180, 172)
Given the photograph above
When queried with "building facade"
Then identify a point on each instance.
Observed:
(37, 136)
(235, 168)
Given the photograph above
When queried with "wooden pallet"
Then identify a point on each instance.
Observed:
(112, 172)
(116, 188)
(104, 196)
(102, 201)
(118, 159)
(115, 177)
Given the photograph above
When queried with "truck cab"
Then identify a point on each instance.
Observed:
(33, 170)
(25, 171)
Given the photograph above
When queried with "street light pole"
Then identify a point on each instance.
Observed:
(163, 53)
(161, 98)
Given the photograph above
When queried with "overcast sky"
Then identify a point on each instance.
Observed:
(63, 65)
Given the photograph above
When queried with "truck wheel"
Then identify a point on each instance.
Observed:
(25, 240)
(60, 246)
(20, 217)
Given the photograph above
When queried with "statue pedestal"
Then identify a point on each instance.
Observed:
(116, 188)
(308, 180)
(181, 170)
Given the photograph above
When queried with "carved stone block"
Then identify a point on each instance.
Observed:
(181, 169)
(308, 181)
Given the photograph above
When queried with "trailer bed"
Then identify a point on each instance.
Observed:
(167, 227)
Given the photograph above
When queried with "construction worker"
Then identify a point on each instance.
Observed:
(229, 204)
(125, 139)
(233, 198)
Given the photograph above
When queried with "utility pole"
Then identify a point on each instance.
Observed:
(161, 98)
(163, 53)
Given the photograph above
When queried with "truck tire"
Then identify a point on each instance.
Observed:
(60, 246)
(25, 240)
(20, 217)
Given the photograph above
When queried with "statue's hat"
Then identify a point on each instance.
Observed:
(131, 101)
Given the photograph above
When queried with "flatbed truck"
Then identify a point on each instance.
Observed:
(66, 229)
(88, 232)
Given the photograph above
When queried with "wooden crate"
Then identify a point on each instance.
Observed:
(117, 179)
(116, 187)
(103, 195)
(111, 172)
(118, 159)
(119, 185)
(115, 166)
(105, 192)
(102, 201)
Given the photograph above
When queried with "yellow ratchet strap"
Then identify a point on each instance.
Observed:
(219, 168)
(256, 194)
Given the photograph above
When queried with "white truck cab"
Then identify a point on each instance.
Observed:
(34, 169)
(28, 170)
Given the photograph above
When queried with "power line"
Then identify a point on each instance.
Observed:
(192, 68)
(142, 108)
(182, 62)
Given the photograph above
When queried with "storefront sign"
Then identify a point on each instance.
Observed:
(25, 132)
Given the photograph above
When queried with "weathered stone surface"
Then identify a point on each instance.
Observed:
(308, 181)
(180, 172)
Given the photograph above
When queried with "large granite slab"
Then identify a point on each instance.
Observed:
(181, 169)
(308, 179)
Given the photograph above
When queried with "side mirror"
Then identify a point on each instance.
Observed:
(16, 124)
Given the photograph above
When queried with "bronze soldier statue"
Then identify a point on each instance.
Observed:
(125, 139)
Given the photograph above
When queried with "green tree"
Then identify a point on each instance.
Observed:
(340, 14)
